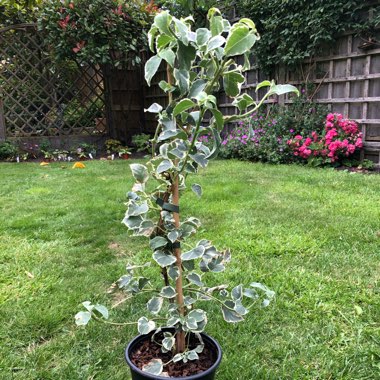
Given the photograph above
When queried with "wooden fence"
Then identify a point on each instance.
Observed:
(347, 77)
(42, 100)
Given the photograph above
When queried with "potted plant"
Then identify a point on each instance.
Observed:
(172, 342)
(124, 153)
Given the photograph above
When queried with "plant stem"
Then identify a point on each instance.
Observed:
(180, 335)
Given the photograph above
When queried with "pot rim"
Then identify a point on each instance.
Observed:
(191, 377)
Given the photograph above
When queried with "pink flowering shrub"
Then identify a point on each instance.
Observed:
(340, 139)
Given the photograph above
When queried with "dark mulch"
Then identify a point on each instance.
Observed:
(149, 350)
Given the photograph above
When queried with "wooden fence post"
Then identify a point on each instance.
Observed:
(2, 122)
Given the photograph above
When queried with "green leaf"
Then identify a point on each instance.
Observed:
(133, 222)
(215, 42)
(203, 35)
(102, 310)
(182, 80)
(192, 355)
(82, 318)
(239, 41)
(243, 102)
(195, 253)
(173, 272)
(158, 242)
(162, 41)
(162, 21)
(154, 305)
(281, 89)
(164, 166)
(154, 108)
(237, 293)
(154, 367)
(229, 314)
(182, 31)
(168, 343)
(197, 189)
(166, 87)
(182, 106)
(168, 292)
(248, 22)
(151, 68)
(139, 172)
(217, 145)
(164, 259)
(168, 55)
(269, 293)
(173, 235)
(265, 83)
(218, 116)
(145, 326)
(196, 88)
(198, 315)
(232, 83)
(186, 55)
(134, 209)
(124, 281)
(216, 25)
(151, 35)
(200, 159)
(195, 278)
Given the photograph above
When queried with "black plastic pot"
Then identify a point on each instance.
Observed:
(138, 374)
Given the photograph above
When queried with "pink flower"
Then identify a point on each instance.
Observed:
(308, 141)
(79, 46)
(298, 137)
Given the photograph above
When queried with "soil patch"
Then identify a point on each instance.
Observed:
(147, 350)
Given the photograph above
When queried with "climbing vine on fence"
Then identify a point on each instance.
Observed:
(97, 31)
(292, 31)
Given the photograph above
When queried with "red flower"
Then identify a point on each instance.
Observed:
(79, 47)
(63, 23)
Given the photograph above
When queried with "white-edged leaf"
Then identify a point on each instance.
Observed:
(237, 293)
(192, 355)
(196, 88)
(164, 166)
(154, 367)
(215, 42)
(195, 253)
(151, 68)
(229, 314)
(102, 310)
(163, 259)
(145, 326)
(195, 278)
(202, 36)
(168, 55)
(139, 172)
(198, 315)
(280, 89)
(182, 106)
(173, 235)
(154, 305)
(154, 108)
(168, 343)
(82, 318)
(157, 242)
(240, 40)
(168, 292)
(197, 189)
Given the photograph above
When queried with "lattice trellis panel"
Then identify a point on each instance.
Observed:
(42, 98)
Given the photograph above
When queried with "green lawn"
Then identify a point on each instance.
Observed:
(311, 235)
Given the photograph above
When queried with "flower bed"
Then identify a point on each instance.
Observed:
(338, 142)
